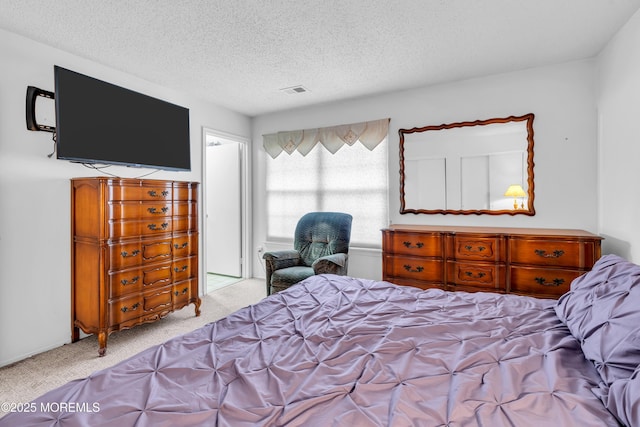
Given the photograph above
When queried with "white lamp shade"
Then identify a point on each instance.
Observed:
(515, 190)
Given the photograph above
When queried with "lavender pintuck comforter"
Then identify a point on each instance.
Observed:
(339, 351)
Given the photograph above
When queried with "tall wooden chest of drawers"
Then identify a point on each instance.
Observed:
(527, 261)
(134, 253)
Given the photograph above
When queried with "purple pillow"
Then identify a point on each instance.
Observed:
(602, 311)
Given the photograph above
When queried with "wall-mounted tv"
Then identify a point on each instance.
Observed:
(98, 122)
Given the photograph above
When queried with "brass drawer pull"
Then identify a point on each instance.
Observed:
(410, 269)
(475, 276)
(416, 246)
(163, 210)
(134, 307)
(478, 248)
(184, 291)
(126, 254)
(555, 282)
(154, 193)
(555, 254)
(163, 226)
(178, 270)
(184, 245)
(126, 282)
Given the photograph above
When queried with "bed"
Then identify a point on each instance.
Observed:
(342, 351)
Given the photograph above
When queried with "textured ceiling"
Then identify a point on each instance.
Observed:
(240, 53)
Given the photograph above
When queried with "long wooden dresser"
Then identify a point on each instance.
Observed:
(134, 253)
(526, 261)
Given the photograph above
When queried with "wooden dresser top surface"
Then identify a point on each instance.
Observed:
(493, 230)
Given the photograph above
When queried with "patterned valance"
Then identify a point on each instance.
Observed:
(370, 134)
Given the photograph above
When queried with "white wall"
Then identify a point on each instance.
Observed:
(619, 141)
(34, 194)
(562, 97)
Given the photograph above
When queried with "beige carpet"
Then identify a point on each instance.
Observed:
(25, 380)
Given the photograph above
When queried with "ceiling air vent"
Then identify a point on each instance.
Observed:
(295, 89)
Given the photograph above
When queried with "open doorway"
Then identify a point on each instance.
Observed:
(225, 208)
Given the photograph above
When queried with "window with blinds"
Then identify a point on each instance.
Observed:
(353, 180)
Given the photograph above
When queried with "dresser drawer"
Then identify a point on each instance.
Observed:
(125, 282)
(182, 293)
(125, 309)
(551, 282)
(139, 279)
(558, 253)
(423, 269)
(136, 190)
(134, 210)
(182, 269)
(136, 306)
(414, 244)
(125, 255)
(158, 301)
(146, 227)
(185, 245)
(479, 248)
(484, 276)
(156, 276)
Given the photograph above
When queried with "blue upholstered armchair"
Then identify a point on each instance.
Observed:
(321, 245)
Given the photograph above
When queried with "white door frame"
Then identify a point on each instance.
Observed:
(245, 200)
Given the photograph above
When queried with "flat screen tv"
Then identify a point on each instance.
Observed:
(98, 122)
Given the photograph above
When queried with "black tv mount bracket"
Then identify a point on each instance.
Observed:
(32, 93)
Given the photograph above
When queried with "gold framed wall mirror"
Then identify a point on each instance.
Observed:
(476, 167)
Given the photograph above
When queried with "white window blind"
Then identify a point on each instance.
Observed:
(353, 180)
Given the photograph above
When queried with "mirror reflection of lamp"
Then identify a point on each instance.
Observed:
(516, 191)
